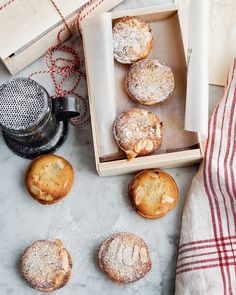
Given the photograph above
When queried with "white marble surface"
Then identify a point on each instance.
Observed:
(95, 208)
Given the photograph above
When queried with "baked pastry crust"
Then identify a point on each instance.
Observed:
(49, 178)
(153, 193)
(124, 257)
(132, 39)
(149, 82)
(138, 132)
(46, 265)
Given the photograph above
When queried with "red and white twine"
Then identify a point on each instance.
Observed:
(6, 4)
(61, 69)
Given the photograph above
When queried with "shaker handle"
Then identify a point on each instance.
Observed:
(65, 107)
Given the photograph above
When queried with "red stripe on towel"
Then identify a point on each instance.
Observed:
(205, 247)
(205, 261)
(206, 241)
(202, 254)
(204, 267)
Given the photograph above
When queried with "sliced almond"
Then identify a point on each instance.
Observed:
(119, 255)
(58, 277)
(48, 197)
(35, 190)
(114, 247)
(144, 143)
(143, 255)
(167, 199)
(159, 212)
(128, 256)
(153, 175)
(58, 243)
(60, 164)
(149, 145)
(130, 155)
(135, 183)
(139, 195)
(47, 271)
(42, 196)
(64, 259)
(36, 178)
(136, 253)
(158, 131)
(139, 146)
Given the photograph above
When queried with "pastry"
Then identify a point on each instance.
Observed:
(137, 132)
(124, 257)
(46, 265)
(132, 39)
(149, 81)
(153, 193)
(49, 178)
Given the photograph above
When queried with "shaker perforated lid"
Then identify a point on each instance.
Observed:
(23, 104)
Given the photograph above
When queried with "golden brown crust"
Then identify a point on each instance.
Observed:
(138, 132)
(132, 39)
(46, 265)
(49, 178)
(153, 193)
(124, 257)
(149, 82)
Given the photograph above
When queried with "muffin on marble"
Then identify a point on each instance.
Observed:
(138, 132)
(149, 81)
(46, 265)
(49, 178)
(153, 193)
(132, 39)
(124, 257)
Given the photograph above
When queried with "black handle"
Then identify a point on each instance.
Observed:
(65, 107)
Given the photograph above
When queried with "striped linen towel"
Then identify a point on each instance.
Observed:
(206, 263)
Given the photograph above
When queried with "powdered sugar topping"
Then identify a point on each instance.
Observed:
(150, 81)
(124, 257)
(132, 39)
(44, 262)
(137, 125)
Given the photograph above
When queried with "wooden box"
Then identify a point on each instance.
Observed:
(29, 27)
(168, 18)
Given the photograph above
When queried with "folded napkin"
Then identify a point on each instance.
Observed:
(206, 263)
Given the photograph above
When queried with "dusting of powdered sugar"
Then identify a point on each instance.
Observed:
(41, 261)
(135, 125)
(78, 241)
(132, 39)
(150, 81)
(124, 257)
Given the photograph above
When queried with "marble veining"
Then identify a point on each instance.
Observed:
(95, 208)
